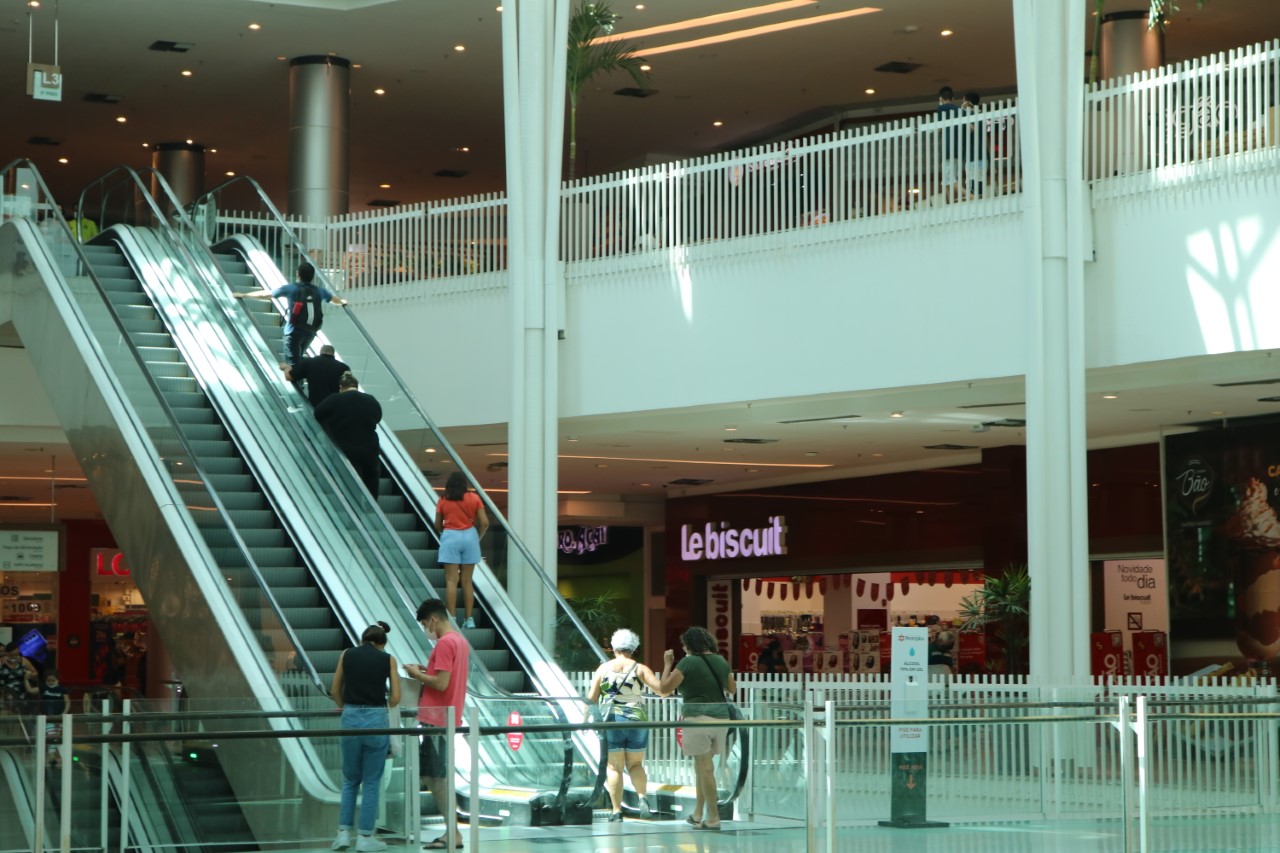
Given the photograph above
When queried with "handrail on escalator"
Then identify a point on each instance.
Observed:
(512, 536)
(181, 439)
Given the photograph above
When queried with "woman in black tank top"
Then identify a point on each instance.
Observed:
(360, 687)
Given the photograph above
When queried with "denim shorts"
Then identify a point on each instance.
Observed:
(460, 547)
(626, 740)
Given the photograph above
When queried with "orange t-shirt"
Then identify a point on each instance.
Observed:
(460, 515)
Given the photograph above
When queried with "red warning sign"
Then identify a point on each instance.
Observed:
(514, 739)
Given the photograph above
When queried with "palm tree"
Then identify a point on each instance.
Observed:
(1005, 601)
(1156, 16)
(588, 57)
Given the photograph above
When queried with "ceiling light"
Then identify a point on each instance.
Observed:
(459, 47)
(146, 145)
(870, 91)
(897, 415)
(730, 429)
(1212, 413)
(63, 160)
(213, 150)
(34, 4)
(811, 453)
(463, 149)
(357, 66)
(601, 465)
(1110, 396)
(186, 73)
(498, 9)
(646, 67)
(877, 455)
(709, 20)
(121, 119)
(384, 186)
(431, 450)
(639, 7)
(255, 26)
(946, 33)
(717, 124)
(687, 461)
(379, 91)
(748, 33)
(281, 58)
(231, 174)
(190, 142)
(646, 484)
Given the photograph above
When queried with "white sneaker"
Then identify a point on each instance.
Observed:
(343, 841)
(368, 844)
(468, 622)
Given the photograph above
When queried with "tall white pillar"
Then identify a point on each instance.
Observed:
(1049, 38)
(534, 38)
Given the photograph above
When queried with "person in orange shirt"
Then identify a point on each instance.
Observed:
(461, 521)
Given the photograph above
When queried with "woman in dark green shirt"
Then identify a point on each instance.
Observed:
(703, 678)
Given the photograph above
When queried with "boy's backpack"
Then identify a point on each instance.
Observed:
(299, 314)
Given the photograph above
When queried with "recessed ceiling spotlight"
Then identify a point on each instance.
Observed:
(717, 124)
(459, 47)
(646, 484)
(357, 66)
(463, 149)
(186, 72)
(191, 142)
(869, 91)
(34, 4)
(146, 145)
(1212, 413)
(431, 450)
(497, 8)
(811, 453)
(877, 455)
(121, 119)
(384, 186)
(897, 414)
(213, 150)
(601, 465)
(946, 33)
(63, 160)
(1110, 396)
(646, 67)
(281, 58)
(572, 438)
(753, 470)
(379, 91)
(255, 26)
(333, 53)
(639, 7)
(231, 174)
(731, 429)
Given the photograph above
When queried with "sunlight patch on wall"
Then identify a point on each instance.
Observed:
(1231, 277)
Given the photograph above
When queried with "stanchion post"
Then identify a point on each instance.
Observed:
(1140, 741)
(64, 834)
(126, 758)
(475, 777)
(449, 808)
(38, 846)
(810, 774)
(104, 793)
(829, 711)
(1126, 768)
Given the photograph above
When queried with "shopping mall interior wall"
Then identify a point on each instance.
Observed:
(777, 316)
(1189, 271)
(25, 411)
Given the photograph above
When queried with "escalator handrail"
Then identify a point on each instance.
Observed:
(193, 460)
(492, 508)
(163, 405)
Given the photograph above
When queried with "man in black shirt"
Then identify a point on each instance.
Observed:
(322, 373)
(351, 418)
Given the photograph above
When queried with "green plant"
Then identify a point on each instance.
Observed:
(1005, 603)
(1157, 14)
(589, 57)
(601, 617)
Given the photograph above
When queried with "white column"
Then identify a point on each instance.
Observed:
(534, 39)
(1049, 38)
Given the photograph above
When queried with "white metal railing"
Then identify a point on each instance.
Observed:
(415, 242)
(924, 165)
(1183, 122)
(986, 768)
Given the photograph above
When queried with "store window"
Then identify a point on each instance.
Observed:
(29, 593)
(118, 622)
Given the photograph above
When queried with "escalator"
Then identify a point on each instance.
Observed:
(250, 543)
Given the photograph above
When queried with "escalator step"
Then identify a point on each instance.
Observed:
(325, 662)
(309, 618)
(205, 432)
(254, 538)
(157, 340)
(321, 638)
(223, 466)
(273, 563)
(255, 520)
(393, 504)
(492, 659)
(129, 299)
(418, 539)
(231, 501)
(188, 415)
(435, 577)
(226, 483)
(178, 385)
(480, 638)
(401, 521)
(158, 354)
(512, 682)
(134, 325)
(169, 369)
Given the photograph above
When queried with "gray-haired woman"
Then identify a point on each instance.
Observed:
(619, 688)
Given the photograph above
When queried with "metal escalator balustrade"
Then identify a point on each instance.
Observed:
(545, 768)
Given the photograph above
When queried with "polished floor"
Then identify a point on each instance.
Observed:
(1215, 834)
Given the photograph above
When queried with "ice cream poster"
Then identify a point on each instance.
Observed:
(1222, 491)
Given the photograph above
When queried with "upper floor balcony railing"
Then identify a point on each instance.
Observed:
(1198, 120)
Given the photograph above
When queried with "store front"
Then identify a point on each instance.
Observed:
(825, 568)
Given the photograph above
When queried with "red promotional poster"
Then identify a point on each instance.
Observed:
(886, 652)
(1150, 653)
(1106, 653)
(748, 652)
(971, 653)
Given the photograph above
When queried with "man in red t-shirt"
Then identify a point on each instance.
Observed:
(444, 685)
